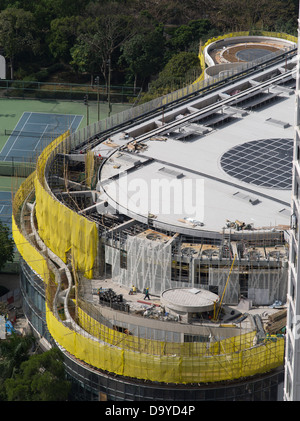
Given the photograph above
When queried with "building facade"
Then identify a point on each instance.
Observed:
(292, 379)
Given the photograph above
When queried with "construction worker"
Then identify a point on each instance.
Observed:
(147, 294)
(133, 289)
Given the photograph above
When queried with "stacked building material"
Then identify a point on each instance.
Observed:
(276, 322)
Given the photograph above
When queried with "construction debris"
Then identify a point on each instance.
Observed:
(276, 322)
(238, 225)
(134, 146)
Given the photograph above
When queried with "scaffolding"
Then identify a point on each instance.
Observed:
(162, 264)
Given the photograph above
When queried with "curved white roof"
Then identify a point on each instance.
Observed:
(189, 300)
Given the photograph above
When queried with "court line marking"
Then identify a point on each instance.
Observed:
(55, 114)
(17, 137)
(23, 150)
(30, 114)
(37, 143)
(13, 129)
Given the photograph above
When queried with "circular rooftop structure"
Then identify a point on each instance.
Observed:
(189, 300)
(244, 52)
(243, 49)
(228, 53)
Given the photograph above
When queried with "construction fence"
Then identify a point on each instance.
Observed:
(67, 91)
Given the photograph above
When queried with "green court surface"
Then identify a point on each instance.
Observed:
(11, 111)
(10, 184)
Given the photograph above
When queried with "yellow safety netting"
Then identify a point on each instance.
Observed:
(62, 229)
(168, 368)
(29, 253)
(130, 341)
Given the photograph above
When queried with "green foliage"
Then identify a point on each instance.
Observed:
(101, 39)
(137, 37)
(17, 33)
(142, 54)
(187, 36)
(176, 73)
(80, 56)
(63, 34)
(182, 69)
(13, 352)
(179, 64)
(6, 245)
(25, 377)
(40, 378)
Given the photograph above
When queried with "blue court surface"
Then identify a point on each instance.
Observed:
(5, 208)
(34, 131)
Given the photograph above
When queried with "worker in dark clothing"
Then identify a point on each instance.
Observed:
(147, 294)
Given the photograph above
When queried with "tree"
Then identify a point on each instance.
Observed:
(82, 58)
(181, 69)
(47, 10)
(13, 352)
(174, 74)
(63, 34)
(6, 245)
(17, 33)
(185, 37)
(143, 54)
(105, 34)
(40, 378)
(245, 15)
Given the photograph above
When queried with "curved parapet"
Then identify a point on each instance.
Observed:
(229, 50)
(61, 229)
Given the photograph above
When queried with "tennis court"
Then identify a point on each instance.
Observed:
(27, 126)
(5, 208)
(34, 131)
(12, 110)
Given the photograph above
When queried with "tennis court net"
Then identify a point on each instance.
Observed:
(24, 133)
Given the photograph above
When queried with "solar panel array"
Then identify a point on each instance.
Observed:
(266, 163)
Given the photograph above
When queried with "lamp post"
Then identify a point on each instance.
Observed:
(86, 102)
(98, 102)
(108, 87)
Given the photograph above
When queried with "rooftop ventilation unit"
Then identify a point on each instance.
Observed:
(277, 254)
(129, 159)
(278, 123)
(189, 251)
(252, 200)
(154, 236)
(171, 173)
(285, 212)
(253, 255)
(210, 253)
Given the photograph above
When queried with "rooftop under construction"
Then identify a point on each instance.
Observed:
(100, 229)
